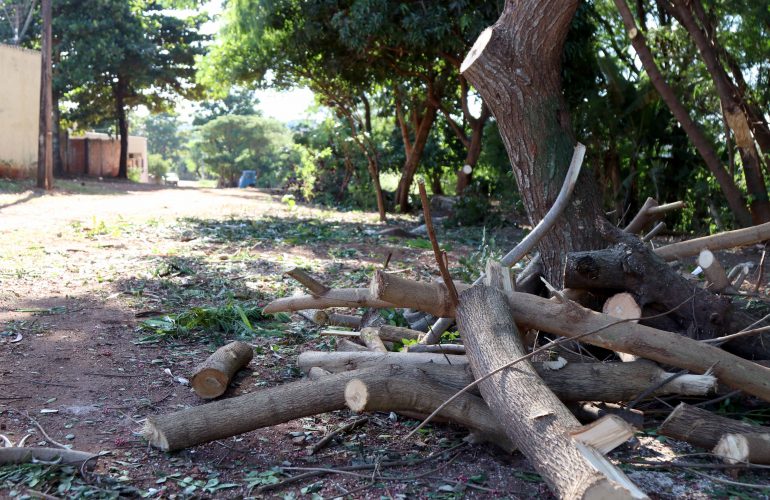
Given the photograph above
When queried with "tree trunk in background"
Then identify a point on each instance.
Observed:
(735, 117)
(726, 183)
(58, 147)
(413, 150)
(516, 67)
(120, 109)
(474, 148)
(45, 139)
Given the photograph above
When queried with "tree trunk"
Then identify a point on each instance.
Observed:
(734, 114)
(413, 155)
(465, 174)
(119, 91)
(45, 139)
(516, 67)
(702, 144)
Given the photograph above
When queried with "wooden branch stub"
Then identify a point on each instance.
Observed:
(623, 306)
(715, 273)
(371, 338)
(500, 277)
(211, 378)
(314, 286)
(744, 448)
(642, 218)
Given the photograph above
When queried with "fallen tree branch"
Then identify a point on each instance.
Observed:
(721, 241)
(572, 382)
(211, 378)
(14, 455)
(437, 253)
(532, 416)
(338, 297)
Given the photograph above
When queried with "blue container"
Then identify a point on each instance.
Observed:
(248, 179)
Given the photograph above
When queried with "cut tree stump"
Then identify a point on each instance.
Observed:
(532, 416)
(744, 448)
(211, 378)
(703, 428)
(715, 273)
(573, 382)
(572, 320)
(629, 266)
(415, 392)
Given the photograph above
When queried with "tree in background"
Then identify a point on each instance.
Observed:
(16, 18)
(116, 55)
(230, 144)
(237, 101)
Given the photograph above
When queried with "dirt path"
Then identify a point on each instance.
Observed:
(81, 270)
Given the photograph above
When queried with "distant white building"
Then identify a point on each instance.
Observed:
(19, 111)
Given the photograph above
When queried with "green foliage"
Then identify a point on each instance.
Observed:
(62, 481)
(473, 265)
(239, 320)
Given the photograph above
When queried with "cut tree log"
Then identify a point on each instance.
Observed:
(230, 417)
(431, 297)
(629, 266)
(415, 392)
(532, 416)
(571, 320)
(573, 382)
(371, 339)
(390, 333)
(703, 428)
(345, 345)
(623, 306)
(347, 320)
(211, 378)
(715, 273)
(721, 241)
(744, 448)
(338, 297)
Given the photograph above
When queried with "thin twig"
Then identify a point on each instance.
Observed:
(549, 345)
(727, 338)
(434, 243)
(345, 428)
(45, 434)
(720, 398)
(731, 483)
(668, 465)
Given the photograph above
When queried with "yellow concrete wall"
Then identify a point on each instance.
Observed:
(19, 111)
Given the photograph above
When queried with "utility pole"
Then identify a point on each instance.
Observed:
(45, 139)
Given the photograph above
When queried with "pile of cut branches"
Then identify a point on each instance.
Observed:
(528, 366)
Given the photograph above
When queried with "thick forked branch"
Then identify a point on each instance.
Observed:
(571, 320)
(535, 420)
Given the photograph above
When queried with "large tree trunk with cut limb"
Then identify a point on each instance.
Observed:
(532, 416)
(516, 67)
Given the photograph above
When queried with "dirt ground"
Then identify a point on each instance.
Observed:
(83, 268)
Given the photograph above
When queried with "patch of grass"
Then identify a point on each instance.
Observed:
(15, 186)
(231, 320)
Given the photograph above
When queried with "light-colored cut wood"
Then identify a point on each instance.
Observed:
(744, 448)
(211, 378)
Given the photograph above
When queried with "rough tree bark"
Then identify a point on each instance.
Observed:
(516, 67)
(119, 91)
